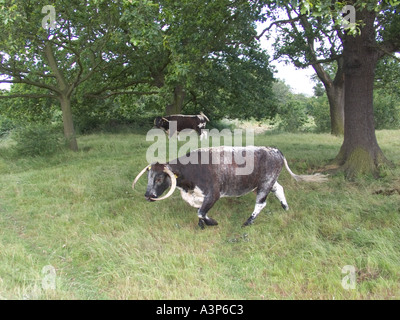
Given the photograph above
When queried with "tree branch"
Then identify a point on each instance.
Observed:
(18, 79)
(277, 22)
(17, 75)
(14, 71)
(116, 88)
(28, 96)
(328, 60)
(389, 48)
(54, 68)
(315, 62)
(114, 93)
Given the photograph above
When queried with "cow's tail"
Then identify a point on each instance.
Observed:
(306, 178)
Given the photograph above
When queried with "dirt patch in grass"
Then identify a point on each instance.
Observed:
(387, 192)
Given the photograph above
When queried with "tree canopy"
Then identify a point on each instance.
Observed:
(190, 55)
(98, 57)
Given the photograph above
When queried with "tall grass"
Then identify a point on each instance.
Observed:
(77, 213)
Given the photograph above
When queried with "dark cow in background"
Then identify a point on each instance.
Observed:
(194, 122)
(203, 181)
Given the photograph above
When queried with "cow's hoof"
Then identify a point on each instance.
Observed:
(248, 222)
(210, 221)
(201, 224)
(284, 206)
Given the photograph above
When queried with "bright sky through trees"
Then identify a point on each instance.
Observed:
(298, 79)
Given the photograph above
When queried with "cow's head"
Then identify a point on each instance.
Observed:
(159, 179)
(161, 122)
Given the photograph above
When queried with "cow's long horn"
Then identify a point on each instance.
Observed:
(202, 114)
(139, 175)
(173, 185)
(165, 119)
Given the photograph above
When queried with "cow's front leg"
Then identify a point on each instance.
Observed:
(208, 202)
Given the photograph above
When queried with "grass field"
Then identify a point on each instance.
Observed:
(77, 213)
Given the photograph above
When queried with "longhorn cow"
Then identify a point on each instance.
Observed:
(178, 122)
(212, 173)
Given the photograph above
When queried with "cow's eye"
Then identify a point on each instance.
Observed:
(158, 180)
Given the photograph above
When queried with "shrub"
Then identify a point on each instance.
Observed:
(221, 124)
(386, 111)
(319, 109)
(293, 115)
(6, 125)
(37, 140)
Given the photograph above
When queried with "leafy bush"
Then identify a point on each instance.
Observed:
(386, 111)
(293, 115)
(6, 125)
(37, 140)
(221, 124)
(319, 109)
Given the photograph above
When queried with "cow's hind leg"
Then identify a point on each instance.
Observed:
(277, 190)
(257, 209)
(261, 202)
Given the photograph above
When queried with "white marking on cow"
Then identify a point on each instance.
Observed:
(277, 189)
(257, 209)
(204, 134)
(202, 217)
(194, 197)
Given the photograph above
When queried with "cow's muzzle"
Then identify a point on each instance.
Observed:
(171, 190)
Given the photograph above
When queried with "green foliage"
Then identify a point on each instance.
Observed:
(387, 94)
(87, 54)
(303, 41)
(28, 110)
(104, 114)
(293, 115)
(236, 84)
(37, 140)
(386, 110)
(221, 124)
(119, 59)
(319, 89)
(292, 109)
(215, 57)
(387, 76)
(6, 126)
(319, 110)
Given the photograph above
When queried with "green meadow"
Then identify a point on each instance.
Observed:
(76, 213)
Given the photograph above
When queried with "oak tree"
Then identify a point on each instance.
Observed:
(60, 47)
(373, 35)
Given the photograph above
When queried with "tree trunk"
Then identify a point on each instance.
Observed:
(69, 131)
(176, 106)
(64, 95)
(360, 152)
(335, 95)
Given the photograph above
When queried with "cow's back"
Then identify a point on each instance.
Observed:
(230, 171)
(184, 121)
(251, 168)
